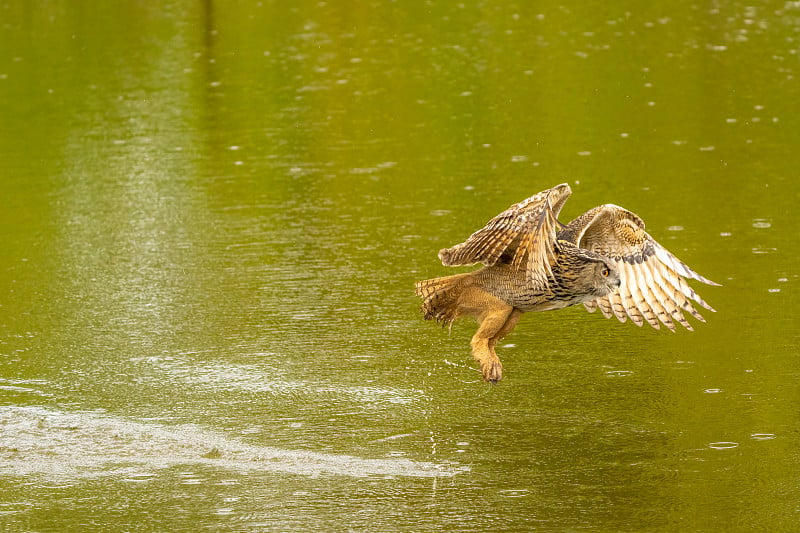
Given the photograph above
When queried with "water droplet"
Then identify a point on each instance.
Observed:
(519, 158)
(513, 493)
(761, 223)
(723, 445)
(618, 373)
(675, 228)
(712, 391)
(725, 234)
(762, 436)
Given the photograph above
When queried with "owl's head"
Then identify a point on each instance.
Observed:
(606, 277)
(589, 274)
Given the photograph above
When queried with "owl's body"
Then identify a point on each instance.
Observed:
(603, 258)
(575, 278)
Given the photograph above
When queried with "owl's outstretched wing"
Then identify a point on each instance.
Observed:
(523, 235)
(653, 285)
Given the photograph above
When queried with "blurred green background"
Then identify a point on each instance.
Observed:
(214, 213)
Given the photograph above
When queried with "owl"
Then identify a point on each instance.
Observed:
(603, 259)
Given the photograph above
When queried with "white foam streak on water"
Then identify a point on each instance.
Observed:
(70, 445)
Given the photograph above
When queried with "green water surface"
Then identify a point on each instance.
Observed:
(213, 214)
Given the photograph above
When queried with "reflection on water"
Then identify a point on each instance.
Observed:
(214, 215)
(255, 379)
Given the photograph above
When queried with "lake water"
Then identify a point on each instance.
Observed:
(214, 214)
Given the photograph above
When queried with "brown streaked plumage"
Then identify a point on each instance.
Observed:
(603, 259)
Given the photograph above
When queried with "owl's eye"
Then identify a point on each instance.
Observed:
(605, 272)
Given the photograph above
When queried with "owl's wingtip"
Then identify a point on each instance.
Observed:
(563, 187)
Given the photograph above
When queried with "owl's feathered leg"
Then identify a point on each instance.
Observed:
(494, 322)
(507, 328)
(451, 297)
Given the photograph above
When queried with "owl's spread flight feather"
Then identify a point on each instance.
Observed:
(653, 285)
(525, 235)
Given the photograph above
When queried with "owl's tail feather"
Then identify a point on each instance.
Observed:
(441, 296)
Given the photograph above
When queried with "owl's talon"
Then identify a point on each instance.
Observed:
(492, 371)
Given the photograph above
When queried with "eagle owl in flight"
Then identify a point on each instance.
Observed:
(603, 259)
